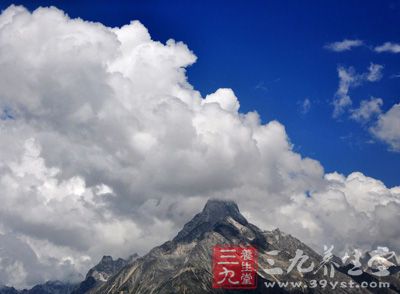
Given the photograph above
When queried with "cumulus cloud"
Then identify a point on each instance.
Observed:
(387, 127)
(388, 47)
(107, 149)
(351, 208)
(367, 110)
(345, 45)
(349, 78)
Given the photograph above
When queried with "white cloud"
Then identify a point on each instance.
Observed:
(345, 45)
(374, 72)
(387, 128)
(349, 78)
(333, 210)
(367, 110)
(305, 106)
(225, 98)
(388, 47)
(383, 126)
(111, 151)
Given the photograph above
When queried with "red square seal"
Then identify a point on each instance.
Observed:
(234, 267)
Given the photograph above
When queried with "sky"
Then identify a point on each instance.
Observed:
(119, 121)
(272, 54)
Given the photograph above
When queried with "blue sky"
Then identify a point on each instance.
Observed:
(271, 53)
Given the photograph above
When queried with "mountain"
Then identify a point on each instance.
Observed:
(51, 287)
(8, 290)
(371, 262)
(379, 257)
(96, 276)
(183, 265)
(100, 273)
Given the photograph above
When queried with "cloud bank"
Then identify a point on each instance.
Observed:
(345, 45)
(388, 47)
(348, 45)
(107, 149)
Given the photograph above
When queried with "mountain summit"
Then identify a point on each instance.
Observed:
(214, 211)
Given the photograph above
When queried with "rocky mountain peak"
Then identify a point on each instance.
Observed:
(219, 209)
(106, 259)
(106, 267)
(100, 273)
(214, 211)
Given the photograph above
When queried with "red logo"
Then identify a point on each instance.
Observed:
(234, 267)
